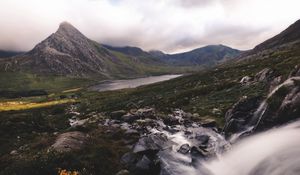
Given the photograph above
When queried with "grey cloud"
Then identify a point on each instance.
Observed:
(167, 25)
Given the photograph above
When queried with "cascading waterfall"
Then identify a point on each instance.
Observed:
(259, 113)
(274, 152)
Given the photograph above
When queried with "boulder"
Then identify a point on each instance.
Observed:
(184, 149)
(70, 141)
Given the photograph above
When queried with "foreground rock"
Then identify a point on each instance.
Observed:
(69, 141)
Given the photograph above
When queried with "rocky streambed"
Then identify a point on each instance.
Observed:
(164, 144)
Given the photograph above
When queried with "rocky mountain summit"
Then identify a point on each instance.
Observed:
(69, 52)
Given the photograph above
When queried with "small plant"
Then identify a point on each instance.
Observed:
(65, 172)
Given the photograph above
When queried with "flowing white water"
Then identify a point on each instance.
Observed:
(274, 152)
(259, 113)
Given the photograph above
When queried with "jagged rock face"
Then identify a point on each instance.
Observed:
(280, 106)
(68, 51)
(283, 104)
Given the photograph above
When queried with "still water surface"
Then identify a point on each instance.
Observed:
(132, 83)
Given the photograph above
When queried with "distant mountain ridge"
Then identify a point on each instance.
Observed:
(6, 54)
(207, 56)
(69, 52)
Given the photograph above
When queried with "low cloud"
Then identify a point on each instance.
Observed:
(167, 25)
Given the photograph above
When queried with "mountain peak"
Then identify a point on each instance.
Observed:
(66, 28)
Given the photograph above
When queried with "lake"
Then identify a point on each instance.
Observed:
(131, 83)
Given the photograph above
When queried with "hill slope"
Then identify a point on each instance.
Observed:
(205, 56)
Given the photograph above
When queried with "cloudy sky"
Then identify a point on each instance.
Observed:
(167, 25)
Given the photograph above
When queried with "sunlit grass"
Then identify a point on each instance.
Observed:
(21, 105)
(72, 90)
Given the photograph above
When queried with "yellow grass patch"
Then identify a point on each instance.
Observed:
(72, 90)
(21, 105)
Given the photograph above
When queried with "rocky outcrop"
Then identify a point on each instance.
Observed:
(238, 117)
(264, 75)
(254, 114)
(282, 104)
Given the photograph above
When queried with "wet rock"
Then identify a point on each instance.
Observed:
(144, 163)
(184, 149)
(202, 139)
(282, 105)
(237, 118)
(153, 142)
(70, 141)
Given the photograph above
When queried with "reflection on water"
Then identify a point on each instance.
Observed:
(132, 83)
